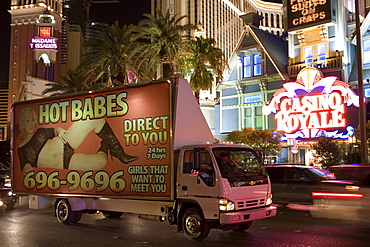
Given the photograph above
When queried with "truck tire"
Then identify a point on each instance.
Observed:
(11, 203)
(65, 214)
(243, 227)
(112, 214)
(77, 216)
(194, 225)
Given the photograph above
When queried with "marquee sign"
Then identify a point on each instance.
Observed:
(307, 13)
(44, 43)
(313, 106)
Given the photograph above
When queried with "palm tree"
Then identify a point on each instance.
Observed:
(109, 53)
(76, 81)
(158, 40)
(202, 61)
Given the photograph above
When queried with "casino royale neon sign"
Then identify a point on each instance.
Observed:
(309, 112)
(312, 104)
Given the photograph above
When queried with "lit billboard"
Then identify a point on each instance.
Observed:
(306, 13)
(44, 43)
(314, 106)
(109, 143)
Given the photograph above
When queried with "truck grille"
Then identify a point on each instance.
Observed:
(250, 203)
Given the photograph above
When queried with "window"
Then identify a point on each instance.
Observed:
(366, 49)
(272, 21)
(252, 65)
(257, 65)
(321, 52)
(253, 117)
(206, 169)
(367, 92)
(308, 54)
(252, 99)
(246, 66)
(311, 55)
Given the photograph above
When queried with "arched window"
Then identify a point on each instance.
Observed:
(266, 19)
(272, 20)
(45, 58)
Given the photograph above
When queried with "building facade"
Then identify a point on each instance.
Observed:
(322, 38)
(222, 21)
(45, 42)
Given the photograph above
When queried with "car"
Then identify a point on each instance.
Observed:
(348, 200)
(293, 184)
(7, 197)
(356, 172)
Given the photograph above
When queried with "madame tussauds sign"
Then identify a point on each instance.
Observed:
(312, 106)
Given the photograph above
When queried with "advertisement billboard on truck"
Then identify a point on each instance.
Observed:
(112, 142)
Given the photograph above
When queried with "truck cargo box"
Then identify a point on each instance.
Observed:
(117, 142)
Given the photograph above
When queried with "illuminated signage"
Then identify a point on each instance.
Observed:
(44, 43)
(45, 31)
(307, 13)
(252, 99)
(312, 106)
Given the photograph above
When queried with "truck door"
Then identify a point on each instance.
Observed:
(201, 187)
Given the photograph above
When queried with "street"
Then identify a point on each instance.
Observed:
(32, 228)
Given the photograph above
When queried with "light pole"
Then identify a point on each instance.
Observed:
(361, 87)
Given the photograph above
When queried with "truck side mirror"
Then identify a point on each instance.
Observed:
(194, 172)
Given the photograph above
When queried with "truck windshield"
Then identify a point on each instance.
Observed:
(241, 166)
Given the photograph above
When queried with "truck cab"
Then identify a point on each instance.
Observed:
(218, 192)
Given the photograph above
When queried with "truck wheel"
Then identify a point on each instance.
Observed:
(65, 214)
(243, 227)
(77, 216)
(195, 227)
(112, 214)
(11, 204)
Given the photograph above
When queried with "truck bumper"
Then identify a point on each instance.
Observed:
(238, 217)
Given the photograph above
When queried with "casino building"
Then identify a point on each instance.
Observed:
(278, 82)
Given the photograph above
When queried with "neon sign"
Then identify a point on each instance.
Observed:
(44, 43)
(45, 31)
(306, 13)
(312, 105)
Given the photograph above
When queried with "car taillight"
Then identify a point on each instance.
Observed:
(337, 195)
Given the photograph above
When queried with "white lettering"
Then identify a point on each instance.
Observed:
(311, 112)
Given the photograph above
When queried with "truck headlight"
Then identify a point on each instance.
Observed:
(226, 205)
(269, 200)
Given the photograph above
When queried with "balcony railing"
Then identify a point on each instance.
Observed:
(330, 64)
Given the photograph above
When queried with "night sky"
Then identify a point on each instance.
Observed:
(126, 12)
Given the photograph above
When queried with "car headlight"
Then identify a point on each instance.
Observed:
(1, 203)
(10, 193)
(226, 205)
(269, 200)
